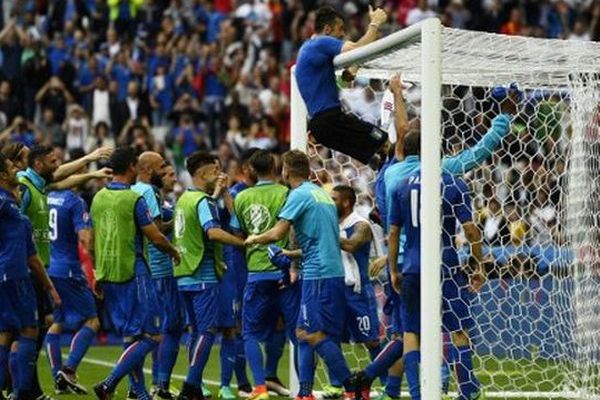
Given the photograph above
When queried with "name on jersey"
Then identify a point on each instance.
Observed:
(55, 201)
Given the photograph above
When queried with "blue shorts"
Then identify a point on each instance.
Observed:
(264, 302)
(133, 307)
(171, 312)
(362, 320)
(456, 302)
(228, 306)
(322, 307)
(78, 303)
(18, 306)
(201, 307)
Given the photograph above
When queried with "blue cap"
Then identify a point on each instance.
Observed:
(499, 93)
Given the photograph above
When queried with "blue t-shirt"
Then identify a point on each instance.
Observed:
(313, 214)
(16, 239)
(151, 196)
(142, 218)
(316, 75)
(361, 256)
(162, 265)
(456, 206)
(68, 215)
(36, 180)
(208, 216)
(122, 74)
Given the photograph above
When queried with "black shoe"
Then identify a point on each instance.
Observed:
(163, 394)
(131, 395)
(362, 385)
(244, 390)
(102, 392)
(189, 392)
(67, 378)
(274, 385)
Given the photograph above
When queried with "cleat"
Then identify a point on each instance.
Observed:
(225, 393)
(244, 390)
(331, 392)
(163, 394)
(258, 395)
(276, 386)
(206, 393)
(102, 392)
(64, 378)
(131, 395)
(189, 392)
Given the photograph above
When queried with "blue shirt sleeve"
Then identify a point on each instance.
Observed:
(25, 198)
(208, 214)
(142, 214)
(152, 202)
(31, 251)
(395, 215)
(328, 45)
(80, 215)
(474, 156)
(294, 206)
(234, 223)
(462, 202)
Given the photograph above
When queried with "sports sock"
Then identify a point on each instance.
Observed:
(167, 357)
(411, 362)
(200, 353)
(391, 353)
(393, 385)
(467, 381)
(240, 362)
(26, 361)
(131, 359)
(53, 352)
(273, 352)
(227, 355)
(334, 359)
(306, 375)
(255, 360)
(79, 346)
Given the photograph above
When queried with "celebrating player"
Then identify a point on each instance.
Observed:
(257, 209)
(312, 213)
(317, 83)
(121, 219)
(200, 237)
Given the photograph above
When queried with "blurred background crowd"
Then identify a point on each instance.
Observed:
(177, 76)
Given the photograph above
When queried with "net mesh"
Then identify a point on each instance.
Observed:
(536, 200)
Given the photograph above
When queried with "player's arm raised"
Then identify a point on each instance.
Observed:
(361, 236)
(276, 233)
(377, 17)
(400, 115)
(79, 179)
(72, 167)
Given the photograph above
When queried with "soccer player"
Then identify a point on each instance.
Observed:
(315, 74)
(70, 226)
(312, 213)
(18, 308)
(151, 170)
(362, 320)
(458, 286)
(256, 211)
(199, 236)
(121, 219)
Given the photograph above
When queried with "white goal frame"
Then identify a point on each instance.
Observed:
(430, 34)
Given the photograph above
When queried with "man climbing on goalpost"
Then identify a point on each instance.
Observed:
(315, 73)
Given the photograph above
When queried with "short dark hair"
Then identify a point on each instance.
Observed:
(347, 192)
(263, 162)
(38, 152)
(12, 150)
(297, 163)
(3, 162)
(326, 15)
(247, 155)
(412, 143)
(76, 153)
(122, 158)
(198, 160)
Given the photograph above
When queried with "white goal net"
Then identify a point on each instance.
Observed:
(535, 199)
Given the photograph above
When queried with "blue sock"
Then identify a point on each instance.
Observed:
(79, 346)
(467, 381)
(240, 362)
(200, 353)
(167, 357)
(155, 361)
(130, 378)
(227, 354)
(26, 362)
(139, 382)
(53, 352)
(306, 375)
(131, 359)
(393, 385)
(445, 377)
(332, 354)
(4, 351)
(192, 337)
(273, 351)
(255, 360)
(13, 367)
(391, 353)
(373, 353)
(411, 364)
(333, 380)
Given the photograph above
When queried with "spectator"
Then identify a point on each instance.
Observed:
(419, 13)
(77, 128)
(53, 133)
(100, 137)
(161, 95)
(236, 136)
(188, 137)
(9, 105)
(55, 95)
(133, 107)
(20, 131)
(123, 15)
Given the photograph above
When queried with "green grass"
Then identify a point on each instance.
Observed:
(496, 375)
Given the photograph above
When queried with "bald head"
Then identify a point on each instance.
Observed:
(151, 168)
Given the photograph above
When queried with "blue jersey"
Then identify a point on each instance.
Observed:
(152, 198)
(361, 256)
(312, 212)
(456, 206)
(68, 215)
(316, 75)
(208, 217)
(163, 265)
(36, 180)
(16, 239)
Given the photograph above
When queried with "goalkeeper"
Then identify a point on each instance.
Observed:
(315, 74)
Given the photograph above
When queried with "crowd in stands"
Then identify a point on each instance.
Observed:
(182, 75)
